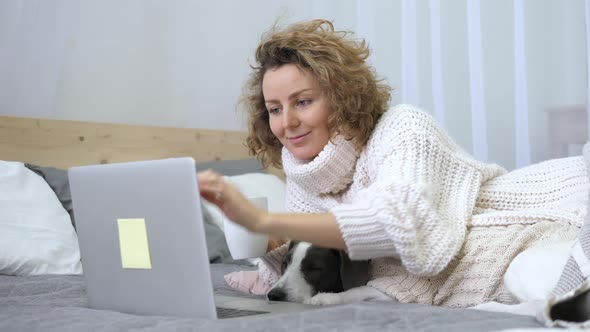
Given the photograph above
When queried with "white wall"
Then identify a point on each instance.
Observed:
(178, 63)
(182, 63)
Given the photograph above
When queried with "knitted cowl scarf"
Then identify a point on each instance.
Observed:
(330, 172)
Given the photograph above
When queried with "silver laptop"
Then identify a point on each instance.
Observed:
(142, 242)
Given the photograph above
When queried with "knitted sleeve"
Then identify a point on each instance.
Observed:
(422, 194)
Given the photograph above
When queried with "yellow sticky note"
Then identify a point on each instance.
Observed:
(133, 241)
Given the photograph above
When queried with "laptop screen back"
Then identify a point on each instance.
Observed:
(142, 238)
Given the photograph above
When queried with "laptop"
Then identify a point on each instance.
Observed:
(142, 242)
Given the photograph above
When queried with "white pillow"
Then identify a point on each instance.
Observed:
(534, 273)
(254, 185)
(36, 234)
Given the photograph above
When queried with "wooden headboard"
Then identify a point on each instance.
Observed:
(64, 144)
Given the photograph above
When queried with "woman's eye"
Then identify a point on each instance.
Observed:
(303, 102)
(274, 110)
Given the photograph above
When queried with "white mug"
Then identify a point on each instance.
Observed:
(243, 243)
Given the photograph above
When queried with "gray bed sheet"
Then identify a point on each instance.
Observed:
(58, 303)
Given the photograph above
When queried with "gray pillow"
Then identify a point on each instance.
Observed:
(216, 244)
(57, 179)
(232, 167)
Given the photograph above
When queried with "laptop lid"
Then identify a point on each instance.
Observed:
(141, 237)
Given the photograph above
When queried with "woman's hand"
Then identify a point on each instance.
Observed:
(320, 229)
(215, 189)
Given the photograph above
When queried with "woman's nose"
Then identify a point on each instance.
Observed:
(290, 119)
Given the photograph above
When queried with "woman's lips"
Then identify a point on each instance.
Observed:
(297, 139)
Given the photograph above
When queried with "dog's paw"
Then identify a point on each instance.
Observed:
(324, 299)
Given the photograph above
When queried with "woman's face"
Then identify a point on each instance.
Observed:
(298, 111)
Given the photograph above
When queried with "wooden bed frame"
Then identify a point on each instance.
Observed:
(64, 144)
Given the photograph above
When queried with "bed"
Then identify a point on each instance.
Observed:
(57, 301)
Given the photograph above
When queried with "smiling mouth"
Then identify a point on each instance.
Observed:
(295, 138)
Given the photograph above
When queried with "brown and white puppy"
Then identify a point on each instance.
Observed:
(316, 275)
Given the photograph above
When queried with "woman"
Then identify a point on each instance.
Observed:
(388, 184)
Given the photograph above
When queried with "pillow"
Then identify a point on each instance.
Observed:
(232, 167)
(36, 234)
(533, 274)
(57, 179)
(254, 185)
(216, 244)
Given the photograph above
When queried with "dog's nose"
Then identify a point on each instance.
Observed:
(277, 294)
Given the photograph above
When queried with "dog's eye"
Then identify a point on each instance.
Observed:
(286, 261)
(313, 268)
(284, 265)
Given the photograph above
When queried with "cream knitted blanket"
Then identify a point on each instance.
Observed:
(439, 226)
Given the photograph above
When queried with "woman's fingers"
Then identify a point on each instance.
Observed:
(211, 186)
(211, 198)
(215, 189)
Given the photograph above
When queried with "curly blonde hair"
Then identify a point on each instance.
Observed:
(357, 98)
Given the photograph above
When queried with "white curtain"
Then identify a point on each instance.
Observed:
(587, 21)
(506, 78)
(479, 131)
(521, 109)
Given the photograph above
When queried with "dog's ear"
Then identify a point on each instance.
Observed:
(292, 243)
(353, 273)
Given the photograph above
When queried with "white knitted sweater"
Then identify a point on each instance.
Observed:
(439, 226)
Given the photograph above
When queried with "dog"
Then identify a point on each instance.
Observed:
(316, 275)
